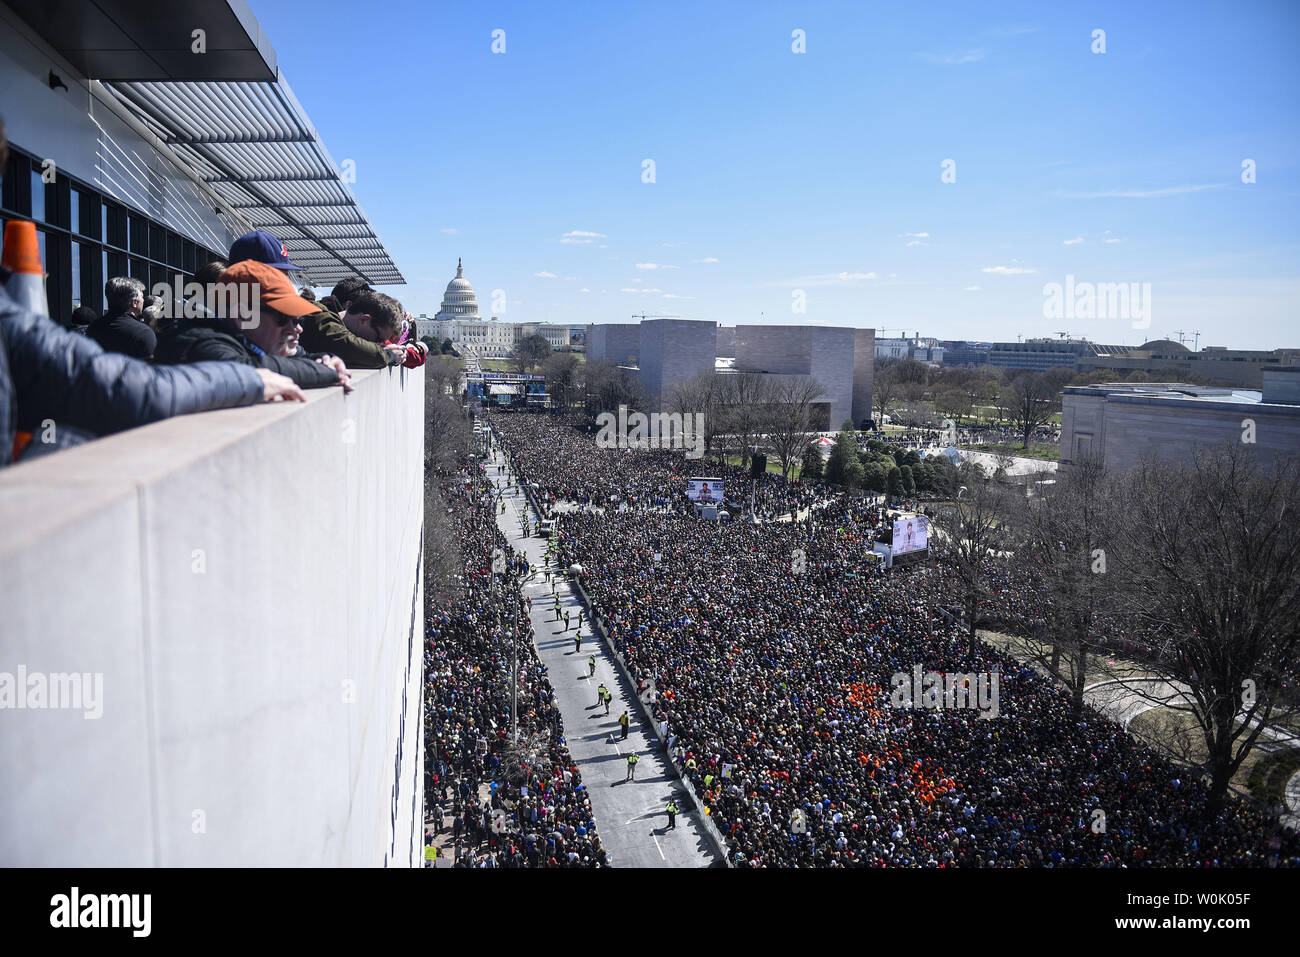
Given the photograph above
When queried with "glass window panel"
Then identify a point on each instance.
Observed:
(38, 196)
(76, 272)
(75, 210)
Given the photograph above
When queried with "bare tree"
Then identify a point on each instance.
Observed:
(1029, 401)
(969, 532)
(703, 394)
(560, 369)
(1066, 535)
(884, 389)
(1208, 557)
(529, 352)
(442, 374)
(790, 417)
(745, 396)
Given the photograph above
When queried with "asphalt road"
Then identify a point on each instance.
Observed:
(630, 815)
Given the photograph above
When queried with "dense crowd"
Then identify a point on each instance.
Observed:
(768, 650)
(508, 806)
(559, 464)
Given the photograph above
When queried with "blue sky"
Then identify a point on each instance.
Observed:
(821, 171)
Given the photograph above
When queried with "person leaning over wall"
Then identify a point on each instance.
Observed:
(360, 337)
(260, 328)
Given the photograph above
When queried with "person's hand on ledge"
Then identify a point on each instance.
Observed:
(276, 386)
(335, 363)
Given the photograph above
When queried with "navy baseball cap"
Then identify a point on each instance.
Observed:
(261, 247)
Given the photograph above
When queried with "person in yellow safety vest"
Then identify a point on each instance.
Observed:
(672, 814)
(632, 759)
(623, 723)
(591, 664)
(608, 698)
(600, 693)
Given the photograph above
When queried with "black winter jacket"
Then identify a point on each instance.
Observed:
(205, 338)
(125, 334)
(48, 372)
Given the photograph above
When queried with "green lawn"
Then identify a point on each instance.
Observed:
(773, 465)
(1048, 453)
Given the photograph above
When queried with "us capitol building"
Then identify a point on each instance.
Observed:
(458, 320)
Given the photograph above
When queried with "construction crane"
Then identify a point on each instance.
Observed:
(645, 316)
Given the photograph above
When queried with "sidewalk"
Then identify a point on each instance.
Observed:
(630, 816)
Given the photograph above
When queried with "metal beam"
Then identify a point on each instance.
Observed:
(286, 205)
(274, 178)
(218, 139)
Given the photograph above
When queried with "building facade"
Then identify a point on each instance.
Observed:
(616, 342)
(458, 301)
(1114, 424)
(840, 358)
(672, 351)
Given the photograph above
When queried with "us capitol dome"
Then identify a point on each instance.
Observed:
(458, 301)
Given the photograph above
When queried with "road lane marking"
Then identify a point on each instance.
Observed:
(659, 849)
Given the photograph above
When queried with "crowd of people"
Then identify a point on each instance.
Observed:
(247, 336)
(630, 479)
(768, 652)
(509, 801)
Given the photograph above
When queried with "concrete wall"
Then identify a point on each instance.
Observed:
(247, 583)
(842, 359)
(86, 140)
(726, 343)
(864, 371)
(616, 342)
(674, 350)
(1124, 428)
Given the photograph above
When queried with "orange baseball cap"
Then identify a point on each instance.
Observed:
(273, 287)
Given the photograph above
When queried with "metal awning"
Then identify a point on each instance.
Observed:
(148, 40)
(253, 145)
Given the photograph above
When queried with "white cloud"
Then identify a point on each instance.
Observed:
(581, 236)
(825, 279)
(917, 235)
(974, 288)
(655, 266)
(673, 295)
(965, 56)
(637, 289)
(584, 290)
(1144, 193)
(1112, 239)
(545, 275)
(1075, 241)
(1008, 270)
(917, 242)
(706, 259)
(672, 245)
(450, 230)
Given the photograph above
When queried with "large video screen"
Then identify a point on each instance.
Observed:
(705, 490)
(911, 534)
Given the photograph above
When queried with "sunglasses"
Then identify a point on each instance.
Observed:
(282, 320)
